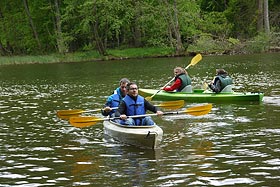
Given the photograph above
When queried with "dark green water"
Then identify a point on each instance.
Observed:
(235, 144)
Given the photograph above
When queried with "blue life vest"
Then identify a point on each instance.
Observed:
(135, 107)
(115, 102)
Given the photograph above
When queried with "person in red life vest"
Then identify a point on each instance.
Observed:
(134, 104)
(182, 81)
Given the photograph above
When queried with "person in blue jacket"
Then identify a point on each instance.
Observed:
(114, 100)
(134, 104)
(220, 81)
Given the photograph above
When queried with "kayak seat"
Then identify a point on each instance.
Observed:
(227, 89)
(187, 89)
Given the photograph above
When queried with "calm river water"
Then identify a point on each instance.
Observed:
(235, 144)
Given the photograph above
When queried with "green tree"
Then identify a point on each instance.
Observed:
(14, 29)
(32, 27)
(31, 22)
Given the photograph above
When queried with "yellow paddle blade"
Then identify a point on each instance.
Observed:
(196, 59)
(66, 117)
(205, 86)
(173, 105)
(199, 110)
(84, 121)
(66, 114)
(149, 98)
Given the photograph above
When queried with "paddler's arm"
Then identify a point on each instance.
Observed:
(176, 85)
(152, 108)
(120, 112)
(216, 86)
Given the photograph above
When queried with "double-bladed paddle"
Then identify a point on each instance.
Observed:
(86, 121)
(194, 61)
(66, 114)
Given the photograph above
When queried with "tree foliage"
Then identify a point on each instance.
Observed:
(48, 26)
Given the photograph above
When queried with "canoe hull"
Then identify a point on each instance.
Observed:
(199, 96)
(148, 137)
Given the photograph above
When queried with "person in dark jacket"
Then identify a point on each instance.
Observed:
(114, 100)
(182, 80)
(220, 81)
(134, 104)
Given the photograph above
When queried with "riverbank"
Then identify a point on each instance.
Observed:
(113, 54)
(87, 56)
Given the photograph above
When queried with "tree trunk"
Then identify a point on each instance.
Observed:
(98, 40)
(260, 16)
(266, 18)
(4, 50)
(59, 36)
(166, 15)
(137, 30)
(174, 28)
(34, 30)
(179, 45)
(137, 34)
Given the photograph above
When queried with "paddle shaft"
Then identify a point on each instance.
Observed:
(188, 66)
(163, 87)
(95, 110)
(86, 121)
(66, 114)
(194, 109)
(145, 115)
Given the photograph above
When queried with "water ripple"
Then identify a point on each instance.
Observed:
(235, 144)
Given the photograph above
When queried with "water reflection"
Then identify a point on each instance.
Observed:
(235, 144)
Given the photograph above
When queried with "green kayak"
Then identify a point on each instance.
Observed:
(200, 96)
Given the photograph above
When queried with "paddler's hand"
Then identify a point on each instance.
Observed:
(123, 117)
(107, 109)
(159, 113)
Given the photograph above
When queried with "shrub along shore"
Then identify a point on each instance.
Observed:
(87, 56)
(115, 54)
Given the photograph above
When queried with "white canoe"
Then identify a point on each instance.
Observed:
(140, 136)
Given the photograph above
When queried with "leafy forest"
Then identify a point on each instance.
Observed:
(33, 27)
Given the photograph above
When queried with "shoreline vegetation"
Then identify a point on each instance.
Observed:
(78, 31)
(205, 45)
(86, 56)
(115, 54)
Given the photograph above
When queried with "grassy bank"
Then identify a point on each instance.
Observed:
(87, 56)
(204, 45)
